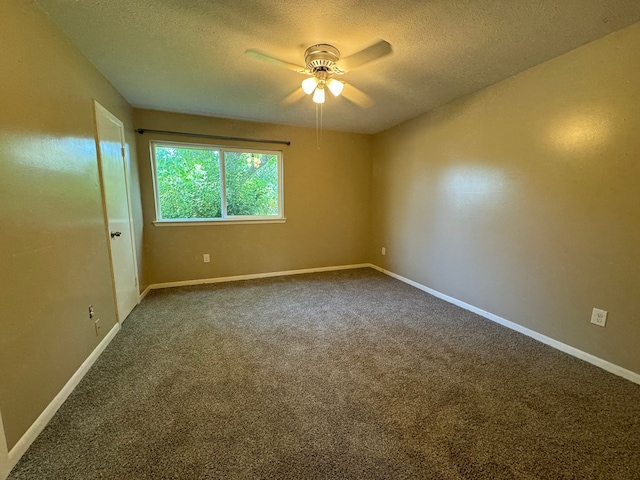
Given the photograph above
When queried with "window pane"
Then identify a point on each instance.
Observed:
(252, 183)
(188, 182)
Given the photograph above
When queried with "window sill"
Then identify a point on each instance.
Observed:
(193, 223)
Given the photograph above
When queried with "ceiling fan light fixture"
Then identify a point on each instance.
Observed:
(335, 86)
(321, 62)
(318, 95)
(309, 85)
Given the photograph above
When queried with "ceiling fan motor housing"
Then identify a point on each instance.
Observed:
(322, 58)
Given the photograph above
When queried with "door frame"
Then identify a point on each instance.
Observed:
(99, 109)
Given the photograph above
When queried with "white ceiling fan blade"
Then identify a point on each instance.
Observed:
(265, 57)
(356, 96)
(293, 97)
(378, 50)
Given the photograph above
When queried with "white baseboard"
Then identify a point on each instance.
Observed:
(45, 417)
(253, 276)
(144, 293)
(563, 347)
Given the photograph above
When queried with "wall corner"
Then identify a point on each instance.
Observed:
(4, 453)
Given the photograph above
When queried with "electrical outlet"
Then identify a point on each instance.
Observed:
(97, 325)
(206, 258)
(90, 312)
(599, 317)
(384, 251)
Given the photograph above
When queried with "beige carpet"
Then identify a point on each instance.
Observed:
(338, 375)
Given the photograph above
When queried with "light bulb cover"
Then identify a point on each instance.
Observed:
(309, 85)
(318, 95)
(335, 86)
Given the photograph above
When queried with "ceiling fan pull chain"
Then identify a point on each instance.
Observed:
(317, 128)
(320, 125)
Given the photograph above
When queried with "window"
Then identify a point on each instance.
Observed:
(207, 183)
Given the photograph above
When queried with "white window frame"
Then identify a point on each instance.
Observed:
(225, 219)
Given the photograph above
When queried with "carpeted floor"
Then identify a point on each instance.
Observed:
(338, 375)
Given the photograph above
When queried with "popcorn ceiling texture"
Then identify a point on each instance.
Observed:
(188, 56)
(338, 375)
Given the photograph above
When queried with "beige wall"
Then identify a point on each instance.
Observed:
(53, 250)
(524, 199)
(326, 195)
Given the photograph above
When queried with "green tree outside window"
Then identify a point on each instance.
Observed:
(189, 184)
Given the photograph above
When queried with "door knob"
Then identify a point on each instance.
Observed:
(115, 234)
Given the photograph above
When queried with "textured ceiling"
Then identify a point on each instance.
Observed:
(188, 55)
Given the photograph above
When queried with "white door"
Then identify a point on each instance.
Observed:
(115, 197)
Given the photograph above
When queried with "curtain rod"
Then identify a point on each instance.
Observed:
(216, 137)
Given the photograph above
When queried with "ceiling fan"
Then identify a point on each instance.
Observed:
(321, 63)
